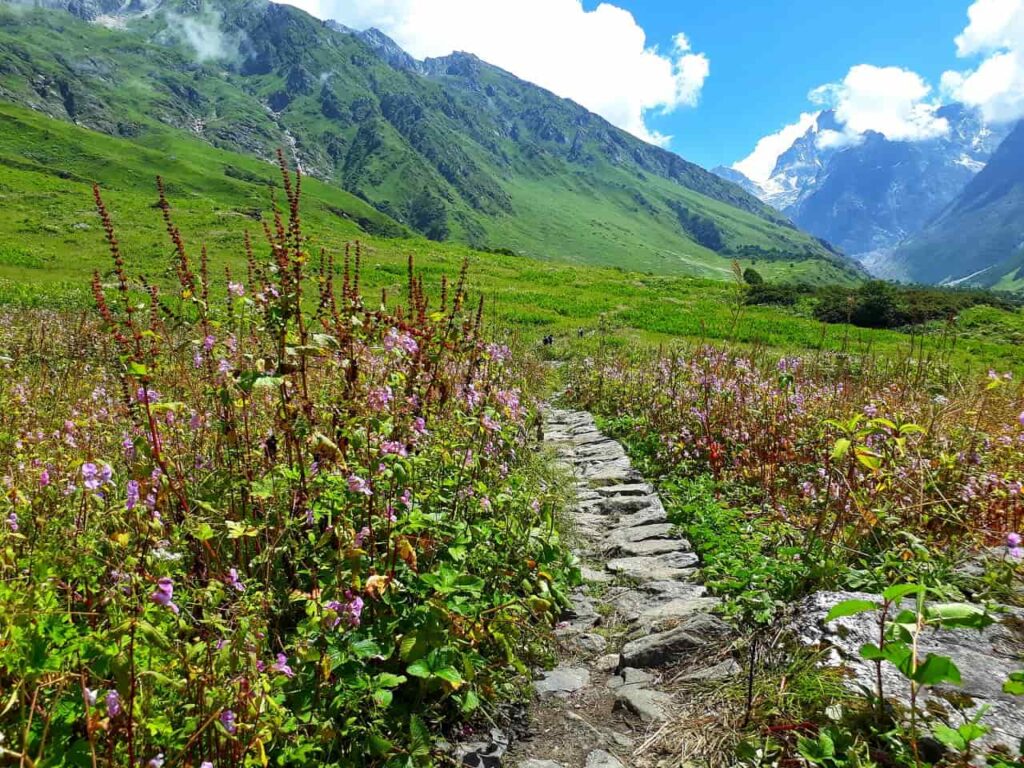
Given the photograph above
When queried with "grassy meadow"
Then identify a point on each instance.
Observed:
(53, 242)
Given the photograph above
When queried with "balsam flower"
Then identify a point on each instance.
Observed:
(164, 594)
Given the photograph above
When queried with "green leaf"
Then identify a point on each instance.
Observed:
(382, 698)
(850, 608)
(949, 737)
(1015, 685)
(841, 448)
(389, 680)
(871, 652)
(365, 649)
(936, 670)
(378, 745)
(450, 675)
(959, 615)
(420, 669)
(897, 592)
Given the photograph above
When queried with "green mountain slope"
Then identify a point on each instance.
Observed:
(979, 238)
(452, 148)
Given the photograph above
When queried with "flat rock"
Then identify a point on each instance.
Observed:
(531, 763)
(598, 577)
(607, 663)
(654, 513)
(562, 681)
(590, 643)
(631, 489)
(601, 759)
(662, 648)
(671, 567)
(644, 532)
(660, 617)
(649, 706)
(716, 673)
(651, 547)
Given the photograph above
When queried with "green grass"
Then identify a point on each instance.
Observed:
(51, 241)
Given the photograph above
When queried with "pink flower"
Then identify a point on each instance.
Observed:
(1013, 540)
(281, 666)
(44, 478)
(379, 398)
(356, 484)
(362, 536)
(164, 594)
(236, 289)
(113, 701)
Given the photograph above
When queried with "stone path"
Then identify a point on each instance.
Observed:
(641, 624)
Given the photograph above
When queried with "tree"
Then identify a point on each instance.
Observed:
(752, 277)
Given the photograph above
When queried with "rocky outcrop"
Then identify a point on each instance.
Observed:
(985, 660)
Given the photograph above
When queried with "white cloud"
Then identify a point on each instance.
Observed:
(598, 58)
(995, 32)
(888, 100)
(760, 163)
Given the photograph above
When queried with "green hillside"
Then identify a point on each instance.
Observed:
(455, 149)
(52, 242)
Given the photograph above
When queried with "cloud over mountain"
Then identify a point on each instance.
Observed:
(995, 33)
(600, 58)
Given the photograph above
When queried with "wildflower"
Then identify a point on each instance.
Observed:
(90, 697)
(393, 448)
(362, 536)
(156, 762)
(206, 764)
(350, 611)
(208, 343)
(164, 594)
(12, 522)
(419, 426)
(1017, 553)
(379, 398)
(129, 447)
(144, 395)
(234, 581)
(403, 341)
(131, 495)
(224, 366)
(113, 702)
(281, 666)
(227, 719)
(90, 476)
(356, 484)
(44, 478)
(1013, 540)
(490, 424)
(1021, 418)
(871, 411)
(236, 290)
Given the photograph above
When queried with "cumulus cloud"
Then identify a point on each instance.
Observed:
(995, 33)
(888, 100)
(759, 164)
(599, 58)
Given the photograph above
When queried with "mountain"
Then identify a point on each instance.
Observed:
(979, 237)
(870, 196)
(451, 147)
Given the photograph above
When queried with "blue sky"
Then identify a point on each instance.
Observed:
(711, 78)
(766, 55)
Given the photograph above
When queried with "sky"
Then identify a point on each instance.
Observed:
(710, 80)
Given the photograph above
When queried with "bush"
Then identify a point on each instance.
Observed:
(767, 293)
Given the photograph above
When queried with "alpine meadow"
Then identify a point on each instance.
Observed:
(367, 403)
